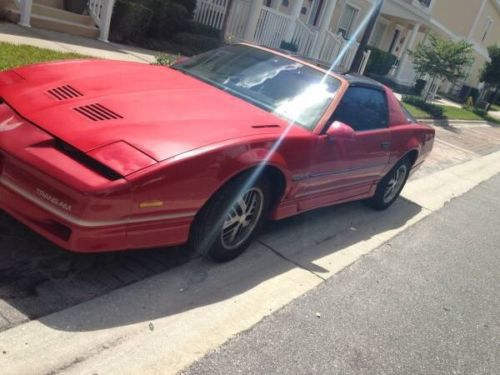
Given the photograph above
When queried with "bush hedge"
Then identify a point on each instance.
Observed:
(130, 20)
(196, 43)
(162, 24)
(134, 19)
(170, 18)
(434, 110)
(380, 62)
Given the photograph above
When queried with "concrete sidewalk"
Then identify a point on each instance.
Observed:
(12, 33)
(495, 114)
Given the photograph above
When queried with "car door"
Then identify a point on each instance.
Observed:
(347, 166)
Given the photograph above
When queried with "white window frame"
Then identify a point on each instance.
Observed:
(354, 20)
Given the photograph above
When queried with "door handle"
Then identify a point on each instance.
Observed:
(386, 145)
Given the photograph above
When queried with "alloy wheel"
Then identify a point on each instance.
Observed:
(242, 218)
(395, 183)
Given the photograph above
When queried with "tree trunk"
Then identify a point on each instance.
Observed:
(430, 88)
(223, 32)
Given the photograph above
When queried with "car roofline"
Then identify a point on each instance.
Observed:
(353, 79)
(295, 58)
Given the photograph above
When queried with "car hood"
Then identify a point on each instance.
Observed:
(159, 111)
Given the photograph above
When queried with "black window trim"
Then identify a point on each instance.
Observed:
(366, 86)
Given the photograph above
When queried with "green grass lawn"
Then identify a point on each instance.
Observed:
(495, 107)
(417, 112)
(451, 113)
(12, 55)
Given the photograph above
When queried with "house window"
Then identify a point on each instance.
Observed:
(347, 21)
(487, 28)
(425, 3)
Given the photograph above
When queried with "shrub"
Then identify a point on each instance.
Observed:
(193, 43)
(198, 28)
(469, 103)
(419, 86)
(474, 93)
(289, 46)
(434, 110)
(130, 20)
(190, 5)
(166, 60)
(480, 112)
(380, 62)
(169, 19)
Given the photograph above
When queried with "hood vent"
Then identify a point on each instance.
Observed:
(65, 93)
(265, 126)
(97, 112)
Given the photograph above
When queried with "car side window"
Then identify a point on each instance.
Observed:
(363, 108)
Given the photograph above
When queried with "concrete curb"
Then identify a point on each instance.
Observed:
(445, 123)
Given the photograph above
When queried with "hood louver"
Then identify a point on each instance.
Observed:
(65, 93)
(97, 112)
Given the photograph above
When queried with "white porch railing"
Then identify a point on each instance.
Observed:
(210, 12)
(304, 38)
(364, 61)
(271, 28)
(238, 19)
(101, 12)
(346, 61)
(331, 47)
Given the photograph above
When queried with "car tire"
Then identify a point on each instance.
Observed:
(390, 187)
(223, 230)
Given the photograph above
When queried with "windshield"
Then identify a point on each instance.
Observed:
(279, 85)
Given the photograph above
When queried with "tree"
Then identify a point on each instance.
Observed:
(491, 72)
(442, 59)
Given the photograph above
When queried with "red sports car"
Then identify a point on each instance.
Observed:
(105, 155)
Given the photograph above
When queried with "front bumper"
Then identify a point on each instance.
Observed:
(62, 232)
(70, 203)
(87, 236)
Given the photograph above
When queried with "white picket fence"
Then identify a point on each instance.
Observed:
(272, 28)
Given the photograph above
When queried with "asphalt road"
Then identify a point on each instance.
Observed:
(427, 302)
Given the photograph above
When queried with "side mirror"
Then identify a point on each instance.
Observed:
(339, 130)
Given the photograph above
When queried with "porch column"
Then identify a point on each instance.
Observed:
(324, 26)
(406, 58)
(25, 12)
(294, 16)
(107, 13)
(253, 20)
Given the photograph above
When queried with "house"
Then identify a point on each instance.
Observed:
(52, 15)
(321, 29)
(324, 30)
